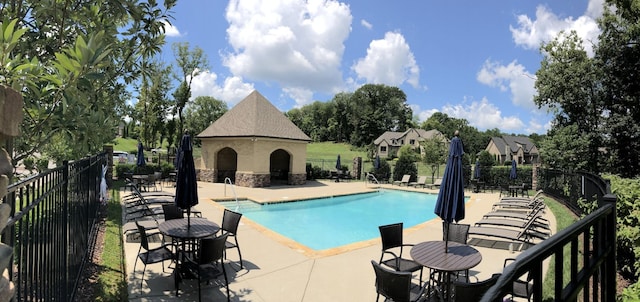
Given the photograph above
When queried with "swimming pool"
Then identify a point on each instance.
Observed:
(336, 221)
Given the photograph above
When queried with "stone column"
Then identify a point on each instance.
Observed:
(10, 119)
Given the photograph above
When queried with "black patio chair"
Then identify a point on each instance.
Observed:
(457, 233)
(230, 223)
(149, 255)
(472, 292)
(210, 264)
(392, 244)
(396, 286)
(521, 288)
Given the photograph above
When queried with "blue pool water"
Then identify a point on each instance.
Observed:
(332, 222)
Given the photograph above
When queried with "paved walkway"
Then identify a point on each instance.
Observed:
(279, 270)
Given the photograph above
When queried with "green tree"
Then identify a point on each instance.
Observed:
(190, 63)
(374, 109)
(153, 104)
(617, 55)
(566, 148)
(568, 83)
(435, 154)
(203, 112)
(73, 62)
(405, 165)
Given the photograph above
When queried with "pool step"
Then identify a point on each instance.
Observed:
(244, 204)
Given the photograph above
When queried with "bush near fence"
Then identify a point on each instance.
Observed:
(123, 169)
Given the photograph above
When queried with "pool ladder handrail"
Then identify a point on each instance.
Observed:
(372, 178)
(228, 180)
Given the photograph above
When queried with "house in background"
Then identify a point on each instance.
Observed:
(388, 144)
(510, 147)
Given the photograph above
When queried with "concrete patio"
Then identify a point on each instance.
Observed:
(278, 269)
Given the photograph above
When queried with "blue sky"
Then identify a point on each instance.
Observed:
(469, 59)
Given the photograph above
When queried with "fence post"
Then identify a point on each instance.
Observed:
(65, 218)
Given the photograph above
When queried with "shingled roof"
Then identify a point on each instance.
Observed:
(513, 142)
(254, 116)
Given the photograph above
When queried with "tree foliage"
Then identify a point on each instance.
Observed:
(72, 62)
(190, 63)
(568, 84)
(203, 112)
(405, 165)
(598, 95)
(358, 117)
(474, 140)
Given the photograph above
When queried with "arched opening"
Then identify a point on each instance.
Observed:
(227, 164)
(279, 166)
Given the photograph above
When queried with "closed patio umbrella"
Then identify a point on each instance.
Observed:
(140, 162)
(338, 165)
(376, 162)
(186, 185)
(513, 174)
(476, 171)
(450, 202)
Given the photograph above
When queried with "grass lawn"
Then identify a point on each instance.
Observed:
(564, 218)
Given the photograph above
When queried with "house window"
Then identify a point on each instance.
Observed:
(412, 142)
(383, 148)
(402, 142)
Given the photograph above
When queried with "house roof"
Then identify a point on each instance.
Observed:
(254, 116)
(513, 142)
(393, 138)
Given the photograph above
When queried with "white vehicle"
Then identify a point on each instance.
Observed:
(158, 150)
(120, 157)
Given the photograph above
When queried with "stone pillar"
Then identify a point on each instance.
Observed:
(534, 176)
(109, 176)
(356, 172)
(10, 119)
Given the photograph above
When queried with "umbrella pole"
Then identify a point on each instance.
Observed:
(188, 217)
(446, 237)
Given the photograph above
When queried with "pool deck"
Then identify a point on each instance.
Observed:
(278, 269)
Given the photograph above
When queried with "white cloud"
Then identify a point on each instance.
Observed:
(297, 44)
(232, 90)
(482, 115)
(513, 78)
(170, 30)
(531, 33)
(389, 61)
(366, 24)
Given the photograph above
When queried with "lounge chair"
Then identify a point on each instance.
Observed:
(421, 182)
(518, 204)
(435, 184)
(516, 223)
(404, 180)
(538, 195)
(535, 224)
(525, 214)
(520, 235)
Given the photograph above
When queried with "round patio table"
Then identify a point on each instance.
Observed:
(459, 257)
(187, 231)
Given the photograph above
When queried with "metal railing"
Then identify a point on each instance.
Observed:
(51, 228)
(589, 245)
(569, 187)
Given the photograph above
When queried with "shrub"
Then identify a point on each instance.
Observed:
(405, 166)
(383, 172)
(628, 234)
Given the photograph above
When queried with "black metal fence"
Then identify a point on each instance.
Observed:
(51, 228)
(589, 245)
(571, 187)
